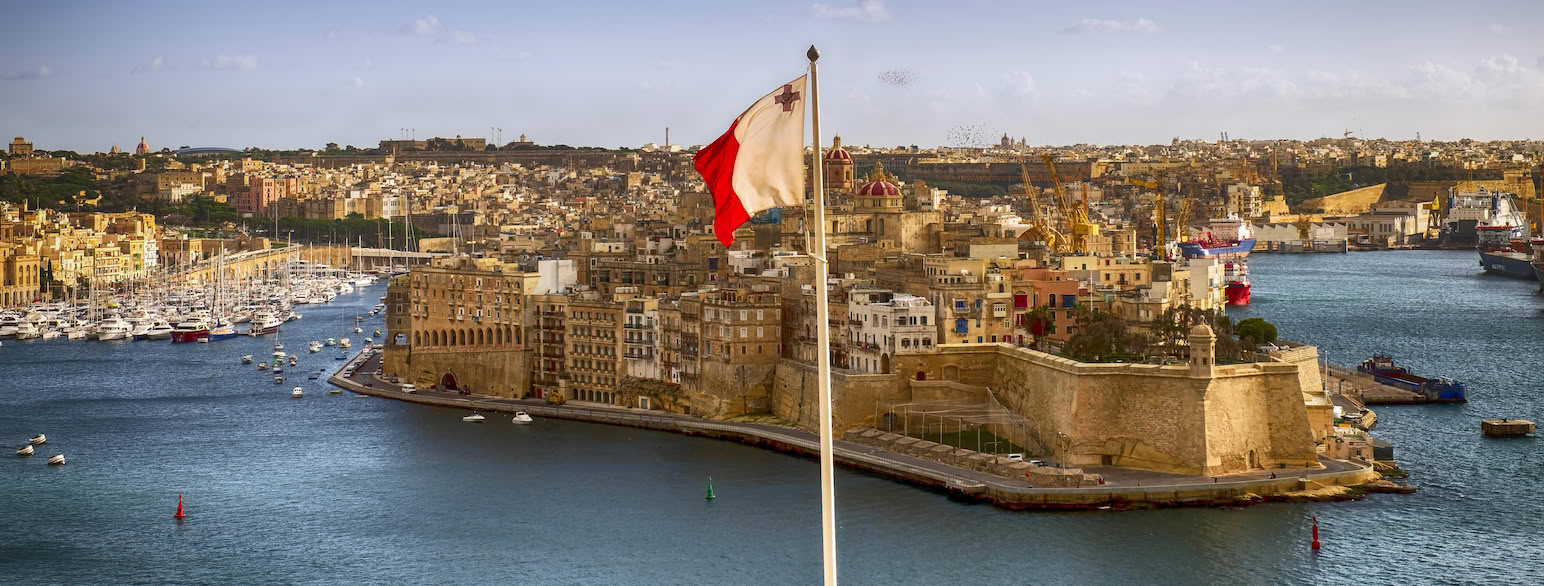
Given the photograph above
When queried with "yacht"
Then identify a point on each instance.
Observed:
(190, 331)
(7, 331)
(474, 418)
(113, 328)
(222, 331)
(27, 330)
(160, 330)
(297, 393)
(264, 322)
(521, 418)
(51, 335)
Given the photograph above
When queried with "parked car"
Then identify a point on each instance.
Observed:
(409, 388)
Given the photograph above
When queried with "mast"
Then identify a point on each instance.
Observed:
(822, 340)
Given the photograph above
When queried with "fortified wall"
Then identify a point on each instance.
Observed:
(1196, 419)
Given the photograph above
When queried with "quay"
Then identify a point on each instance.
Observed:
(1123, 488)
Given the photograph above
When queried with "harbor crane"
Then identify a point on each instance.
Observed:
(1039, 223)
(1078, 226)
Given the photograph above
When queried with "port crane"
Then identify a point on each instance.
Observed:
(1039, 223)
(1079, 227)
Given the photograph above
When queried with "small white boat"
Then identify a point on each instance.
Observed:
(474, 418)
(51, 335)
(24, 450)
(359, 330)
(335, 391)
(246, 359)
(56, 460)
(203, 339)
(262, 366)
(344, 343)
(277, 347)
(521, 418)
(332, 341)
(278, 368)
(297, 393)
(278, 380)
(38, 440)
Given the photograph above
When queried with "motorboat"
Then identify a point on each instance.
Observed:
(377, 332)
(114, 328)
(51, 335)
(262, 366)
(359, 330)
(315, 346)
(190, 331)
(278, 380)
(369, 341)
(297, 393)
(159, 330)
(76, 334)
(24, 450)
(521, 418)
(330, 341)
(246, 359)
(7, 331)
(344, 343)
(474, 418)
(335, 391)
(278, 368)
(292, 360)
(56, 460)
(278, 347)
(264, 323)
(27, 331)
(38, 440)
(278, 355)
(222, 331)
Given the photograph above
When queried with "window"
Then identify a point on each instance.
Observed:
(1069, 300)
(759, 332)
(759, 316)
(959, 305)
(744, 333)
(744, 315)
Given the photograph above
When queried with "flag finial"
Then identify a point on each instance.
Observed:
(812, 53)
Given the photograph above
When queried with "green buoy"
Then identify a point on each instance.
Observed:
(710, 488)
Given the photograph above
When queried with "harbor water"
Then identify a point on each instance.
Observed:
(346, 489)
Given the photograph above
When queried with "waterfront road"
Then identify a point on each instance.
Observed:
(364, 380)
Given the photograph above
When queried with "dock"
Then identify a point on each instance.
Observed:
(1506, 427)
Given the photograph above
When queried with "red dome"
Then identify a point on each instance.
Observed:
(879, 188)
(838, 154)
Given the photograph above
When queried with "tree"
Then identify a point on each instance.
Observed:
(332, 147)
(1256, 331)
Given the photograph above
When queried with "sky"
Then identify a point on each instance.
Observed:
(87, 75)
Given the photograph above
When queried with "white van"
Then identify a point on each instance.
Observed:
(409, 388)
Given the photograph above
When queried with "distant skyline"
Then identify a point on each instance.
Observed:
(84, 76)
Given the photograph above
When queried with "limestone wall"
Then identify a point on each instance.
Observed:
(855, 397)
(501, 373)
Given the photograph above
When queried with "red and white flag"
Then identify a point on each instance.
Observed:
(759, 162)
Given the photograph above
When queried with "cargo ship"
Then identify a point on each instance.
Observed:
(1235, 275)
(1438, 390)
(1468, 214)
(1502, 253)
(1229, 238)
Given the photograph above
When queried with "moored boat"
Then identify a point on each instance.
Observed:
(38, 440)
(1439, 390)
(56, 460)
(25, 450)
(521, 418)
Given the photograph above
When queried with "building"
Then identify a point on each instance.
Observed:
(143, 148)
(883, 324)
(465, 329)
(20, 147)
(20, 275)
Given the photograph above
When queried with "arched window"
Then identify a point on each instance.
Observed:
(927, 342)
(905, 342)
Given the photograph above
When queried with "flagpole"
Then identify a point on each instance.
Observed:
(822, 339)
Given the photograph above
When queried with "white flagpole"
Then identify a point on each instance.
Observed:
(822, 340)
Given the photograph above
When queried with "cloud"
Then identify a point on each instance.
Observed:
(1499, 28)
(229, 62)
(862, 11)
(333, 35)
(40, 72)
(1020, 83)
(460, 39)
(157, 63)
(1274, 49)
(357, 82)
(427, 26)
(1096, 25)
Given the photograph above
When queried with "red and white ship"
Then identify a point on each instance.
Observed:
(190, 331)
(1235, 277)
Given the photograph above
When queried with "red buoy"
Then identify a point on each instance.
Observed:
(1316, 532)
(179, 515)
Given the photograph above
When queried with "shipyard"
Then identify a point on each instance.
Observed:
(751, 294)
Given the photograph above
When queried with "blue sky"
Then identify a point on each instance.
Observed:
(86, 75)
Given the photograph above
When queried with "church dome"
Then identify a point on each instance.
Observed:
(1202, 330)
(879, 183)
(837, 153)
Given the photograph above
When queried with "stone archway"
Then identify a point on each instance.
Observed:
(884, 364)
(922, 375)
(449, 382)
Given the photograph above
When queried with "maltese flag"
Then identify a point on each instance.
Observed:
(759, 162)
